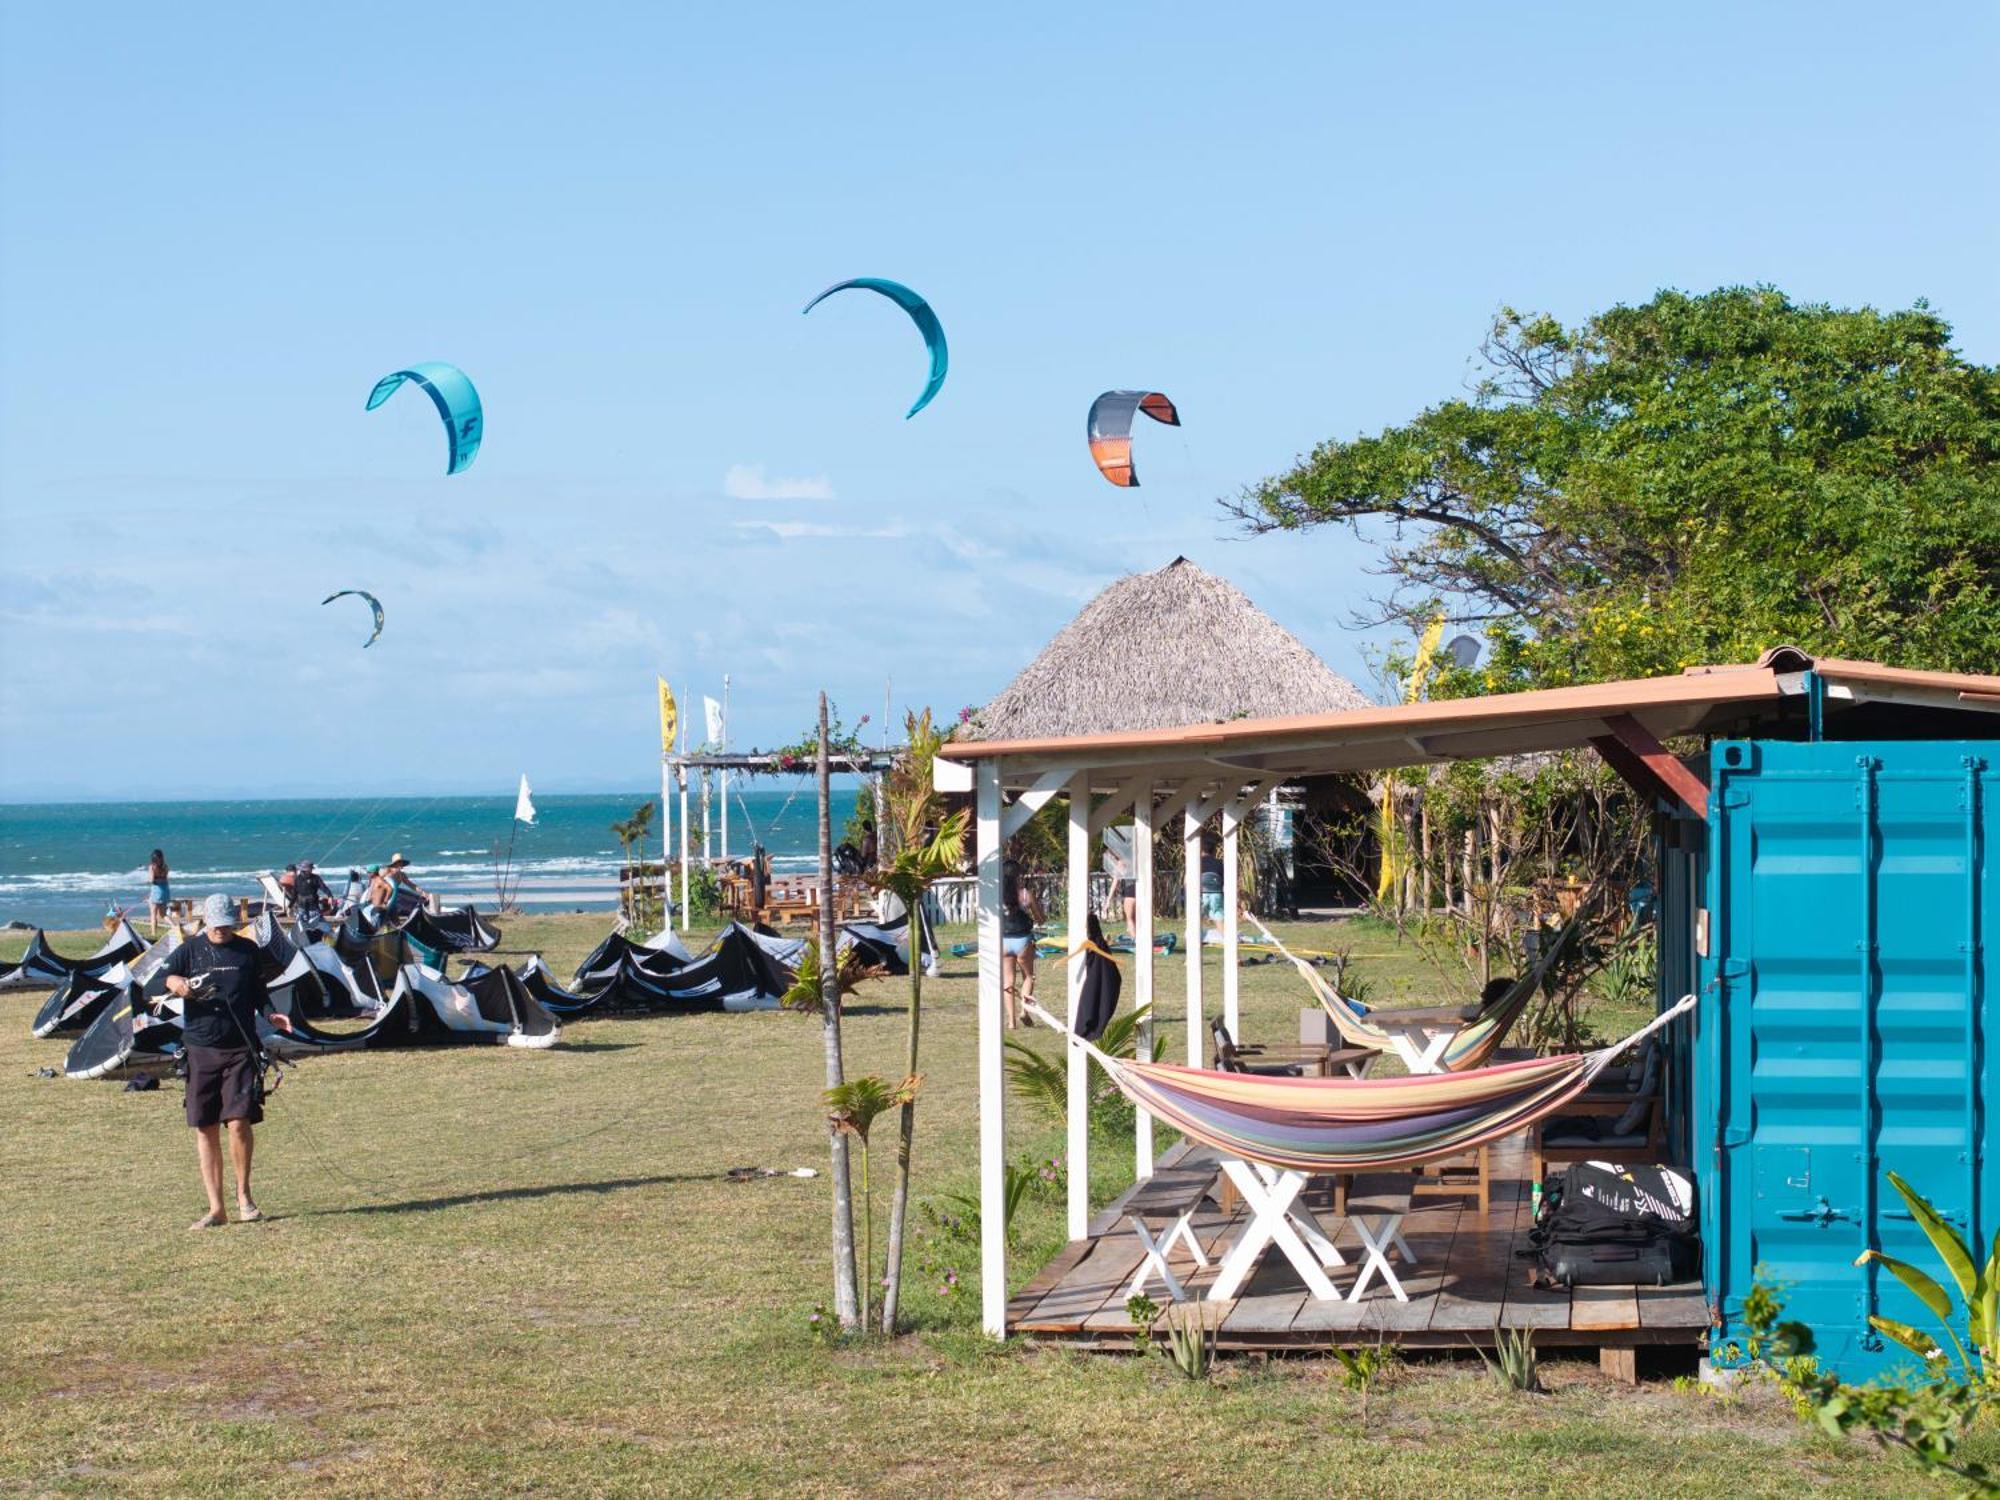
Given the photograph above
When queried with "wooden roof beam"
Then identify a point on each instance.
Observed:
(1645, 765)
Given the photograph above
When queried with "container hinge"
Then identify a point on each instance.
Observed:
(1736, 1135)
(1821, 1212)
(1735, 797)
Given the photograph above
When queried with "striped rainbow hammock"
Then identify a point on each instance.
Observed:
(1470, 1046)
(1319, 1125)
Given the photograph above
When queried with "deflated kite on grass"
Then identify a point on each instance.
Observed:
(920, 314)
(457, 403)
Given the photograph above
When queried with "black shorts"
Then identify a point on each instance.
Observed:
(1128, 890)
(223, 1083)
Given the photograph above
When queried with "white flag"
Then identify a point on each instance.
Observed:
(524, 805)
(714, 712)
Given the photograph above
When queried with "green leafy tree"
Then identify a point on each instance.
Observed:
(1690, 480)
(929, 845)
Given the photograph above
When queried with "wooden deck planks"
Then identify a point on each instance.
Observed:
(1673, 1307)
(1209, 1230)
(1046, 1280)
(1603, 1309)
(1466, 1279)
(1270, 1299)
(1531, 1306)
(1095, 1280)
(1430, 1232)
(1482, 1264)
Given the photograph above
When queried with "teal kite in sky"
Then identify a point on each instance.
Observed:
(457, 402)
(920, 314)
(373, 603)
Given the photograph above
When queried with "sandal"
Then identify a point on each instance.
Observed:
(250, 1215)
(209, 1221)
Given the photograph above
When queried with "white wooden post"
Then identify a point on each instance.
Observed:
(992, 1069)
(1191, 869)
(1141, 871)
(681, 775)
(1078, 1163)
(666, 846)
(1232, 820)
(722, 777)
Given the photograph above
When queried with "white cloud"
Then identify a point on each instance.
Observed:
(787, 530)
(748, 482)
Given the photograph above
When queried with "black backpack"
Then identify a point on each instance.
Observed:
(1606, 1225)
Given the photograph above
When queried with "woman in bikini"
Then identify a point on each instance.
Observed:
(1018, 912)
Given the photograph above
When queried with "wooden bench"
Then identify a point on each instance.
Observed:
(1377, 1204)
(1175, 1194)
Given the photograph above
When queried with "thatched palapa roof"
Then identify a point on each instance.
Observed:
(1176, 646)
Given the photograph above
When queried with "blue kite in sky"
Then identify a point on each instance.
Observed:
(373, 603)
(920, 314)
(457, 402)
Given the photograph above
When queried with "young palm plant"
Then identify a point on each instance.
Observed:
(1042, 1079)
(853, 1108)
(927, 847)
(805, 997)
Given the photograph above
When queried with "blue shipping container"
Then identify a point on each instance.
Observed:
(1845, 1025)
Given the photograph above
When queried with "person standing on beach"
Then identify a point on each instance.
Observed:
(158, 895)
(220, 978)
(408, 893)
(381, 895)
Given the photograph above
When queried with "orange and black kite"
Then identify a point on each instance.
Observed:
(1111, 430)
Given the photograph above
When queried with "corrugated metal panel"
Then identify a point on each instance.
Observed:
(1844, 1033)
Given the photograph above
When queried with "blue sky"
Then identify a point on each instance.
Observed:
(219, 225)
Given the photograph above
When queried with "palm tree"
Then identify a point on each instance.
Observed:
(852, 1108)
(631, 833)
(923, 854)
(845, 1302)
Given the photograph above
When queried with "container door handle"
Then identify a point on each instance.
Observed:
(1821, 1212)
(1949, 1215)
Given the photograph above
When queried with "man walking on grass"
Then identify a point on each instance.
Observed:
(220, 977)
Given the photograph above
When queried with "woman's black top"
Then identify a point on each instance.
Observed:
(1015, 920)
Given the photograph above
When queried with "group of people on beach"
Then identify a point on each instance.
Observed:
(384, 889)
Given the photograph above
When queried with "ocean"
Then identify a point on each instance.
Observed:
(62, 865)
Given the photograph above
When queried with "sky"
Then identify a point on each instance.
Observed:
(220, 224)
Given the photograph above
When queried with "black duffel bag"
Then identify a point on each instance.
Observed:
(1610, 1225)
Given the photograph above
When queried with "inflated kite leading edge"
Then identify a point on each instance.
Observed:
(920, 314)
(373, 603)
(457, 403)
(1110, 430)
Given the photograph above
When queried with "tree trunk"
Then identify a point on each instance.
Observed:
(846, 1301)
(1424, 822)
(906, 1129)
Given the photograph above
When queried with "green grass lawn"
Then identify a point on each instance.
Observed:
(499, 1271)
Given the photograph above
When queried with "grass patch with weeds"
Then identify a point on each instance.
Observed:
(496, 1271)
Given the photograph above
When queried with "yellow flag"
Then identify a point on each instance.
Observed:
(669, 718)
(1394, 855)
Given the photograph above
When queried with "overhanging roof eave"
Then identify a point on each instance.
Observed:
(1402, 734)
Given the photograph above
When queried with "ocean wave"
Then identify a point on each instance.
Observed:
(97, 882)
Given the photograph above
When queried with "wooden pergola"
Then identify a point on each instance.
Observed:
(1192, 773)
